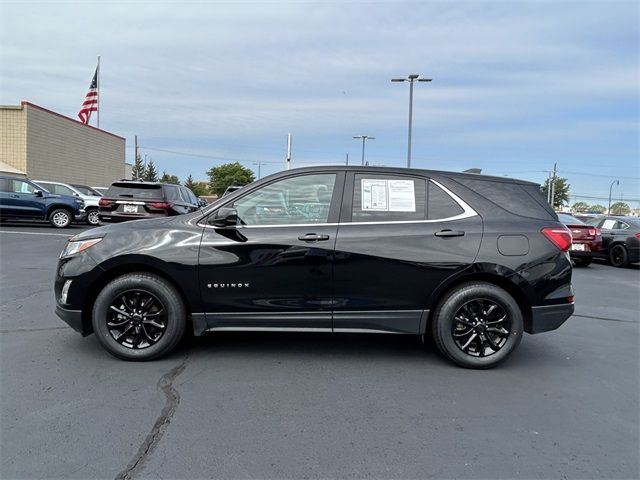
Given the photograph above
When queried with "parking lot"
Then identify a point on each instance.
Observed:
(313, 405)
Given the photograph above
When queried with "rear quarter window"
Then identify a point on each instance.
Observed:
(521, 199)
(440, 205)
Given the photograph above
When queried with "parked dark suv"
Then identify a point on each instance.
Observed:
(471, 260)
(22, 199)
(131, 200)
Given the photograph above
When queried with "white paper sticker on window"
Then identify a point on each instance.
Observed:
(402, 197)
(374, 195)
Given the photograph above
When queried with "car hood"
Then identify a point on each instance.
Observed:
(121, 228)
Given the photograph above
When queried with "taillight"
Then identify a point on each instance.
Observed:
(559, 236)
(103, 202)
(160, 205)
(637, 235)
(592, 232)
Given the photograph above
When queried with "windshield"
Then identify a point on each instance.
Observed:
(83, 189)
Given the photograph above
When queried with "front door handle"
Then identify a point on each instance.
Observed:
(449, 233)
(15, 196)
(313, 237)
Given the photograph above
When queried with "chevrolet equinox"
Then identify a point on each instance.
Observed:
(470, 260)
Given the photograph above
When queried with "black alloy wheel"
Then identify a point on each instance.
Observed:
(137, 319)
(139, 316)
(618, 256)
(481, 327)
(477, 325)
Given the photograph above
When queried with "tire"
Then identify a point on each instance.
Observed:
(129, 338)
(467, 301)
(92, 217)
(582, 262)
(619, 256)
(60, 218)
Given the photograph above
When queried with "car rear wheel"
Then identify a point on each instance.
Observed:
(478, 325)
(92, 217)
(139, 316)
(618, 256)
(60, 218)
(582, 262)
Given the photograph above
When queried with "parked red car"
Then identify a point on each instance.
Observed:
(587, 240)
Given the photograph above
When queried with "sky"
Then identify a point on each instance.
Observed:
(517, 86)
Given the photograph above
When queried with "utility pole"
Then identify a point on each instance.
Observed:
(615, 182)
(411, 78)
(136, 153)
(259, 164)
(347, 159)
(552, 187)
(364, 139)
(288, 151)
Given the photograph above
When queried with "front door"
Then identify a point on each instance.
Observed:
(274, 270)
(20, 200)
(400, 236)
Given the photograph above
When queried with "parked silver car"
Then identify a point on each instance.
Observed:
(90, 201)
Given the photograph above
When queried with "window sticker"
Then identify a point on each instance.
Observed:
(388, 195)
(374, 195)
(402, 196)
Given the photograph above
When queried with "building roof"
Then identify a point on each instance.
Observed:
(6, 168)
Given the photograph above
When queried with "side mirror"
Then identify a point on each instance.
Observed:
(38, 193)
(224, 217)
(202, 203)
(76, 194)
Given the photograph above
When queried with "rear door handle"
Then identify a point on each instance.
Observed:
(313, 237)
(449, 233)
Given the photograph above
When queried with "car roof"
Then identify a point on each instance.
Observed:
(405, 171)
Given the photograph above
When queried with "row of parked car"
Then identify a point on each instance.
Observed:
(614, 238)
(62, 203)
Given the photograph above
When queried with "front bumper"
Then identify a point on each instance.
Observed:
(80, 216)
(549, 317)
(73, 318)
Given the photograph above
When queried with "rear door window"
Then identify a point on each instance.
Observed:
(440, 205)
(608, 224)
(128, 190)
(388, 198)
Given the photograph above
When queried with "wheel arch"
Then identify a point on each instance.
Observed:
(57, 206)
(122, 269)
(509, 284)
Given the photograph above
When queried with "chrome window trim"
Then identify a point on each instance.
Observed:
(467, 212)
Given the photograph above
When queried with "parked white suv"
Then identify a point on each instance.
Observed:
(90, 201)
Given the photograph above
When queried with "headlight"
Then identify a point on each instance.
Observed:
(75, 247)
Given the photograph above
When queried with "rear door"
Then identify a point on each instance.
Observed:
(400, 236)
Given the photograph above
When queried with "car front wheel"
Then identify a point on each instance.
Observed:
(139, 316)
(478, 325)
(92, 217)
(60, 218)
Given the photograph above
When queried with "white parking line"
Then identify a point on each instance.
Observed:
(37, 233)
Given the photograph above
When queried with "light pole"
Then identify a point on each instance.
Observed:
(615, 182)
(411, 78)
(364, 139)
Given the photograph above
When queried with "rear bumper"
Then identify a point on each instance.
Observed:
(549, 317)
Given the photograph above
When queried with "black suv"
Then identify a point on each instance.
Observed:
(132, 200)
(471, 260)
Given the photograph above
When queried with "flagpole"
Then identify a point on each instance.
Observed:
(98, 88)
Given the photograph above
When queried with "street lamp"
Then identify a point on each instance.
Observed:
(364, 139)
(615, 182)
(411, 78)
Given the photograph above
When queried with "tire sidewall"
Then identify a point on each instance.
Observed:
(176, 315)
(444, 317)
(60, 210)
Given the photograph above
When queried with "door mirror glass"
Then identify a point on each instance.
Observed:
(38, 193)
(224, 217)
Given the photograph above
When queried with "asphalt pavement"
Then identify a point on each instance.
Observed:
(232, 405)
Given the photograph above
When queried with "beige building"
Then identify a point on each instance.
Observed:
(45, 145)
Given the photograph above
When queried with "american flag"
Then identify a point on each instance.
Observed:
(90, 103)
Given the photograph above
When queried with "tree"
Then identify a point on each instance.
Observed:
(166, 178)
(150, 172)
(228, 174)
(580, 207)
(560, 191)
(620, 208)
(196, 187)
(597, 208)
(137, 171)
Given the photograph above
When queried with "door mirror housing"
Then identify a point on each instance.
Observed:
(38, 193)
(224, 217)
